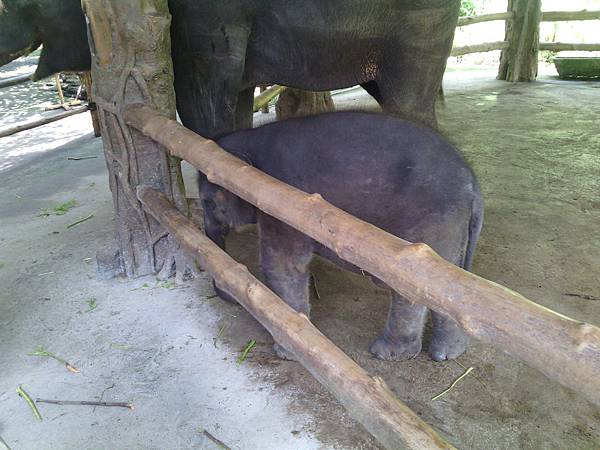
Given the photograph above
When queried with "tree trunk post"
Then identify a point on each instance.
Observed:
(519, 62)
(299, 103)
(131, 64)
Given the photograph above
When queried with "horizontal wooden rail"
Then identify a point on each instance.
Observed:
(560, 16)
(265, 97)
(477, 48)
(562, 348)
(563, 47)
(367, 398)
(13, 81)
(470, 20)
(8, 131)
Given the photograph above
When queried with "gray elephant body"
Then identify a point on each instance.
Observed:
(396, 49)
(399, 176)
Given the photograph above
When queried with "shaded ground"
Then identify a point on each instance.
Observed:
(171, 350)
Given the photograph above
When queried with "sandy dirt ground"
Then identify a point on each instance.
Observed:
(172, 350)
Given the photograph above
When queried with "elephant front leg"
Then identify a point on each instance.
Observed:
(285, 254)
(448, 341)
(411, 75)
(403, 331)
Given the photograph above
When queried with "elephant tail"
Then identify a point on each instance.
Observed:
(475, 225)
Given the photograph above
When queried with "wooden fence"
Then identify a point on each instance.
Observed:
(520, 47)
(561, 348)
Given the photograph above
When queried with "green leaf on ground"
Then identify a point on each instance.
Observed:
(251, 344)
(92, 304)
(64, 208)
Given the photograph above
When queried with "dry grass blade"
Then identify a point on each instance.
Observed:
(251, 344)
(467, 372)
(77, 222)
(218, 442)
(25, 396)
(41, 352)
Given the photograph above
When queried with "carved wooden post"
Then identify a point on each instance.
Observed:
(519, 62)
(299, 103)
(131, 63)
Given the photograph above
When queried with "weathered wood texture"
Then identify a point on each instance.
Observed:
(299, 103)
(562, 348)
(559, 16)
(470, 20)
(13, 81)
(563, 46)
(8, 131)
(476, 48)
(131, 63)
(86, 79)
(519, 62)
(367, 398)
(262, 100)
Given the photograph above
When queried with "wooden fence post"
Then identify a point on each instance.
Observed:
(299, 103)
(519, 62)
(86, 79)
(131, 63)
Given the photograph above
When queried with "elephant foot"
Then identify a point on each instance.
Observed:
(388, 351)
(224, 295)
(446, 347)
(283, 353)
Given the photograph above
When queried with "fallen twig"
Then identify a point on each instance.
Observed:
(583, 296)
(41, 352)
(247, 349)
(77, 222)
(79, 158)
(25, 396)
(3, 444)
(85, 403)
(218, 442)
(45, 273)
(467, 372)
(474, 376)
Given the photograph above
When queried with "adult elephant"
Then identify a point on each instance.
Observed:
(395, 49)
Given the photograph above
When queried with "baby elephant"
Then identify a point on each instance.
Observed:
(399, 176)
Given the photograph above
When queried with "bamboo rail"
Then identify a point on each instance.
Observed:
(266, 96)
(561, 348)
(8, 131)
(368, 399)
(470, 20)
(562, 47)
(476, 48)
(559, 16)
(13, 81)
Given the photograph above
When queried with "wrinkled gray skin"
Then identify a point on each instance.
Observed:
(396, 49)
(58, 24)
(401, 177)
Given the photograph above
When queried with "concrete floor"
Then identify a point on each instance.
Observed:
(171, 350)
